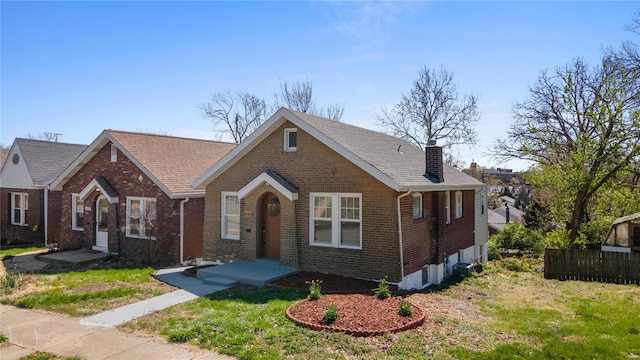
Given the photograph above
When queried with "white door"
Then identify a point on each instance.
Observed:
(102, 224)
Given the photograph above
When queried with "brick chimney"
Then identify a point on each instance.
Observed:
(507, 213)
(434, 168)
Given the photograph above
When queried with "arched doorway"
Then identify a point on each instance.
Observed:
(102, 223)
(270, 224)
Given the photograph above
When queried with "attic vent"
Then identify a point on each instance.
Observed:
(114, 153)
(15, 159)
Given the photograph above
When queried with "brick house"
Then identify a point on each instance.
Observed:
(26, 214)
(128, 193)
(325, 196)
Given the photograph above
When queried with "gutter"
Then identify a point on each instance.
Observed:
(182, 229)
(400, 237)
(46, 216)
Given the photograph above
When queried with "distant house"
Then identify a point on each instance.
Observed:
(324, 196)
(624, 235)
(25, 178)
(503, 215)
(128, 193)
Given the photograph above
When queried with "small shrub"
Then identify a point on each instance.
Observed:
(405, 308)
(3, 338)
(382, 291)
(330, 313)
(315, 290)
(519, 264)
(493, 250)
(10, 282)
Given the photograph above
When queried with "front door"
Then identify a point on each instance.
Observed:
(102, 223)
(271, 227)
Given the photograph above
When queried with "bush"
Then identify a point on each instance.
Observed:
(405, 308)
(493, 250)
(519, 264)
(382, 292)
(517, 236)
(330, 313)
(315, 290)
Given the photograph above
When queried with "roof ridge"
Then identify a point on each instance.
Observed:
(48, 141)
(167, 136)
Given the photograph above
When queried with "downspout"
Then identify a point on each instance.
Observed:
(400, 238)
(46, 216)
(182, 229)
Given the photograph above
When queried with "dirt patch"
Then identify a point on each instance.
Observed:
(358, 315)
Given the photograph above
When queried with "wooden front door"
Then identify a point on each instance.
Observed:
(270, 209)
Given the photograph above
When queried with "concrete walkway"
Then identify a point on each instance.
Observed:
(31, 330)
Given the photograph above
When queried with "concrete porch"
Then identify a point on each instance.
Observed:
(258, 273)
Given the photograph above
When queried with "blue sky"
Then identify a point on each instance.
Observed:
(77, 68)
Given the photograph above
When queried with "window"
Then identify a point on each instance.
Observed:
(417, 205)
(20, 208)
(290, 139)
(335, 220)
(458, 204)
(448, 206)
(114, 153)
(482, 204)
(230, 216)
(77, 212)
(141, 218)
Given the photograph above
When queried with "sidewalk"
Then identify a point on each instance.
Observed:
(31, 330)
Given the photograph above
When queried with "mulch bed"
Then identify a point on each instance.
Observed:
(331, 284)
(359, 315)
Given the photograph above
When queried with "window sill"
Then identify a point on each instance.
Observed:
(289, 150)
(25, 225)
(230, 238)
(77, 229)
(336, 247)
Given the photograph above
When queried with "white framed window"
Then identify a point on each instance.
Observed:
(141, 218)
(458, 204)
(114, 153)
(19, 208)
(335, 220)
(77, 212)
(417, 205)
(290, 139)
(230, 211)
(448, 206)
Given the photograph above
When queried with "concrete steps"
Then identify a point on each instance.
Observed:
(220, 281)
(258, 273)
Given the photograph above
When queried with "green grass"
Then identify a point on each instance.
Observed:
(8, 253)
(88, 292)
(511, 315)
(47, 356)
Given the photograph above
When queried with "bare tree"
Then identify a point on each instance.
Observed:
(299, 96)
(237, 115)
(433, 110)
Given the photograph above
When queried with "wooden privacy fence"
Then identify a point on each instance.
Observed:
(592, 265)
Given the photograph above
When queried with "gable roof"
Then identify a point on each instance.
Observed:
(45, 160)
(170, 162)
(393, 161)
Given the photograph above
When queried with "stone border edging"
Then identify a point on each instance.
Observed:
(355, 332)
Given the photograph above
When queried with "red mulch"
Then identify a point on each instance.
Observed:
(331, 284)
(358, 315)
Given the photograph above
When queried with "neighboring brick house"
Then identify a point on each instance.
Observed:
(321, 195)
(128, 193)
(27, 213)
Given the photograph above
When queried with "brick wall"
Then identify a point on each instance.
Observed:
(34, 232)
(312, 168)
(193, 224)
(459, 234)
(128, 180)
(53, 220)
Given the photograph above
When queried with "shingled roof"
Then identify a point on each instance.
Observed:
(394, 161)
(171, 162)
(46, 159)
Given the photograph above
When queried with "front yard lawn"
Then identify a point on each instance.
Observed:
(80, 293)
(499, 314)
